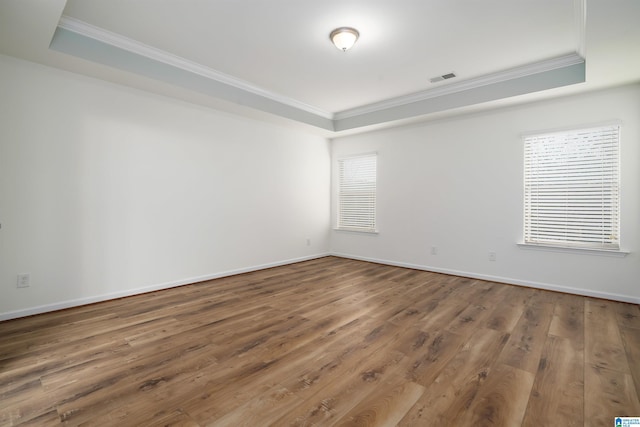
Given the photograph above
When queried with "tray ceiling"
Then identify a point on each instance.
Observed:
(275, 57)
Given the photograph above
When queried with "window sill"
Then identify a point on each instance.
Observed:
(356, 230)
(550, 248)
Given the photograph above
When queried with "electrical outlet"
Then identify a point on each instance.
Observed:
(308, 241)
(24, 280)
(492, 256)
(434, 250)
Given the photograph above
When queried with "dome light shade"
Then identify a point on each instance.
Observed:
(344, 37)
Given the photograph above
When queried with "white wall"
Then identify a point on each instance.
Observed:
(457, 185)
(108, 191)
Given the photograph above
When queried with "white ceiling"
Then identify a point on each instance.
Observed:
(283, 45)
(274, 58)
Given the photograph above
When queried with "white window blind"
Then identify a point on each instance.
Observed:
(571, 194)
(357, 193)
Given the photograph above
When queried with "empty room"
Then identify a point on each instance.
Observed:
(330, 213)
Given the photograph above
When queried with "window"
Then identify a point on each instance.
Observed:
(357, 193)
(571, 188)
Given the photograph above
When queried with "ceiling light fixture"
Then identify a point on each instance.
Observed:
(344, 37)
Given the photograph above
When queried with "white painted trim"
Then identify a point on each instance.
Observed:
(96, 33)
(580, 251)
(569, 128)
(499, 279)
(464, 85)
(580, 11)
(137, 291)
(113, 39)
(355, 230)
(167, 285)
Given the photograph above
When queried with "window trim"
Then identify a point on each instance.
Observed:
(568, 248)
(618, 253)
(338, 227)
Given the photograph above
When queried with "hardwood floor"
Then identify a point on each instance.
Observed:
(326, 342)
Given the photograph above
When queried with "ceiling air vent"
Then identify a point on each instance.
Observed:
(442, 77)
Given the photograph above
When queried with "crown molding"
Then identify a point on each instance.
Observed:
(81, 39)
(87, 30)
(465, 85)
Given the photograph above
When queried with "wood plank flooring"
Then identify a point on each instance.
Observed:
(327, 342)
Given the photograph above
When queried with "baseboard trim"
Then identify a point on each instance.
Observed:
(143, 290)
(167, 285)
(499, 279)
